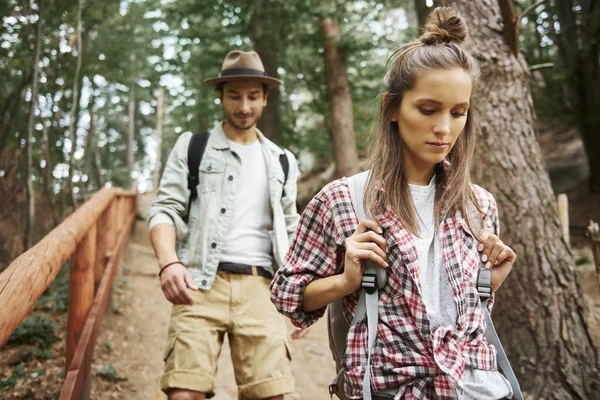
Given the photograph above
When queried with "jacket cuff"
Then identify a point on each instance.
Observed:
(159, 218)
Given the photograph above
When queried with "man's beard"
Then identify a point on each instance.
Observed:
(231, 121)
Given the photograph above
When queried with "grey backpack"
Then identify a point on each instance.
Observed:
(373, 280)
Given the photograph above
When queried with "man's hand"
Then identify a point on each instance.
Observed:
(175, 281)
(299, 333)
(495, 254)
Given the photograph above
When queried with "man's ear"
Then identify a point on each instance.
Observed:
(266, 95)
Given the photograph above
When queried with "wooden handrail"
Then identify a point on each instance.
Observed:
(97, 229)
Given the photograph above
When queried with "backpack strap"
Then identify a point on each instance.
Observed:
(484, 287)
(195, 152)
(285, 166)
(374, 279)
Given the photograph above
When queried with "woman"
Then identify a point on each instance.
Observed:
(430, 229)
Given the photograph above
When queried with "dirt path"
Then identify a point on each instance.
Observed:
(132, 339)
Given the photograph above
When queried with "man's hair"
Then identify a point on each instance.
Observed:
(220, 86)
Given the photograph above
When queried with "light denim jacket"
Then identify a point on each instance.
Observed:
(200, 242)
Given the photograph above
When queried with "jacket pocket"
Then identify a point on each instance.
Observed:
(211, 174)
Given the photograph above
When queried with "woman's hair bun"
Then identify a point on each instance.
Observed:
(444, 25)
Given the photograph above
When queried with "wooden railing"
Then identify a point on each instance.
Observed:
(93, 237)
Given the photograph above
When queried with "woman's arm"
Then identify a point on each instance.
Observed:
(363, 244)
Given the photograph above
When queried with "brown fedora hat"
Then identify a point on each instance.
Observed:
(242, 65)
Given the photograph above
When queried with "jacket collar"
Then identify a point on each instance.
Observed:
(220, 141)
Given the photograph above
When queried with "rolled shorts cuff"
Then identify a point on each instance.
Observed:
(195, 381)
(267, 388)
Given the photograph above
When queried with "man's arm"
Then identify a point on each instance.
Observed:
(175, 279)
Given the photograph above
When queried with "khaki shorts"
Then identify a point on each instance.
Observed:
(240, 306)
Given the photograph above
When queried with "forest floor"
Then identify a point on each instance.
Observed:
(128, 363)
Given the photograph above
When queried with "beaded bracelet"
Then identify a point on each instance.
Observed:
(168, 265)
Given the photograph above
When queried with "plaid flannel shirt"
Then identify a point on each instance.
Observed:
(406, 355)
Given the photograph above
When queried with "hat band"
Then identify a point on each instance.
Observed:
(242, 72)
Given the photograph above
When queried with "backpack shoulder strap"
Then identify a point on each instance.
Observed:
(285, 166)
(195, 152)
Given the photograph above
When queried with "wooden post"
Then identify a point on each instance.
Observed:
(593, 232)
(81, 290)
(105, 240)
(563, 216)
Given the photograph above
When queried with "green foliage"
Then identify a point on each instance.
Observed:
(110, 373)
(56, 295)
(17, 373)
(35, 330)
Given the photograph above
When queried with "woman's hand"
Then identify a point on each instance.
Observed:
(365, 243)
(496, 255)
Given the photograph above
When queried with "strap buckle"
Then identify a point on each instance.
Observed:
(484, 283)
(333, 389)
(369, 282)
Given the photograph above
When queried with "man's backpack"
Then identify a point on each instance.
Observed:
(373, 280)
(196, 151)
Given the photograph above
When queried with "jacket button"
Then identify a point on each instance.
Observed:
(213, 245)
(223, 211)
(209, 168)
(230, 177)
(203, 282)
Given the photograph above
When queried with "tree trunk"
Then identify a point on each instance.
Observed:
(75, 100)
(344, 141)
(48, 159)
(90, 142)
(539, 312)
(265, 45)
(578, 44)
(30, 125)
(159, 128)
(131, 132)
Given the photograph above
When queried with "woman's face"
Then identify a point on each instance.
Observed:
(432, 116)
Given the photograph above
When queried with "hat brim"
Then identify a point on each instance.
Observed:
(270, 82)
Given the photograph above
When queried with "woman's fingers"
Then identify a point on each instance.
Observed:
(373, 256)
(365, 225)
(370, 236)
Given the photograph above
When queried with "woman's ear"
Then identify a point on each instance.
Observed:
(384, 99)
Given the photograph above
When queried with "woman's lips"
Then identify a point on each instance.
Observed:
(438, 145)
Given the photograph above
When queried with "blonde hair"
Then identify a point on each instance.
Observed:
(441, 46)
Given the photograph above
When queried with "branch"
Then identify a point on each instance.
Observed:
(529, 9)
(511, 28)
(541, 66)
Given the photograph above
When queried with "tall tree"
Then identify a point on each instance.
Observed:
(578, 43)
(340, 102)
(73, 116)
(130, 130)
(30, 125)
(539, 313)
(159, 128)
(264, 40)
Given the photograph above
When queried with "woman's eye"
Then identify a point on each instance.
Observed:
(458, 114)
(425, 111)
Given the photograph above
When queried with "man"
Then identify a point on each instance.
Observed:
(237, 234)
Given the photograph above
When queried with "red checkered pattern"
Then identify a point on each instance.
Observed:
(407, 355)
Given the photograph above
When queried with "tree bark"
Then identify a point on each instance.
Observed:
(48, 159)
(91, 143)
(74, 105)
(539, 313)
(159, 128)
(130, 131)
(30, 125)
(265, 45)
(340, 102)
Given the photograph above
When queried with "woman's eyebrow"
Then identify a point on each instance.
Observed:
(466, 103)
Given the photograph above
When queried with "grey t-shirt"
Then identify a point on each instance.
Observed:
(437, 294)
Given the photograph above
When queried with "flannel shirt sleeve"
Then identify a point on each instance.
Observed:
(312, 255)
(491, 221)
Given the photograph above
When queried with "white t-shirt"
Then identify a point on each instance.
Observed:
(438, 298)
(248, 240)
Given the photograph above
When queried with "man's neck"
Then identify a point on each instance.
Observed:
(245, 137)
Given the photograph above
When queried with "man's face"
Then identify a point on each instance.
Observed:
(243, 103)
